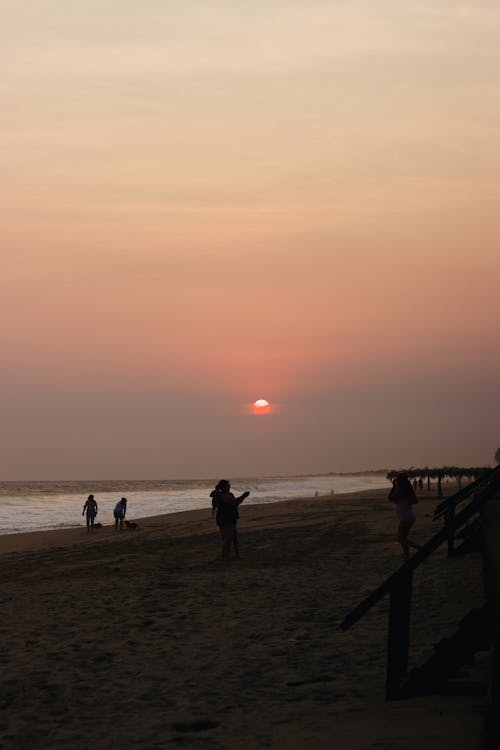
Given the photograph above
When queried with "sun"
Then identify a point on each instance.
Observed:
(261, 406)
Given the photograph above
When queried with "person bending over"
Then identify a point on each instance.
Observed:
(120, 512)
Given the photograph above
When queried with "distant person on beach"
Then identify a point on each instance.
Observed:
(225, 509)
(90, 510)
(214, 495)
(120, 512)
(403, 496)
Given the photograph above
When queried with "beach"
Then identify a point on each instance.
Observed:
(145, 639)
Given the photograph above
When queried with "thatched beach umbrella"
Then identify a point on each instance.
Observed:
(456, 472)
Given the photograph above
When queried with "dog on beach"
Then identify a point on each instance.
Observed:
(97, 526)
(131, 525)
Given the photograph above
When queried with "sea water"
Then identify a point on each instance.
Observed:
(32, 506)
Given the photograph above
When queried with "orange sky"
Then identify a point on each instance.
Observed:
(208, 203)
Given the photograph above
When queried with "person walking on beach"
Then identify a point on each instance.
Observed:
(90, 509)
(225, 508)
(403, 496)
(120, 512)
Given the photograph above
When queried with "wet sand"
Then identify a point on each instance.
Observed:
(145, 639)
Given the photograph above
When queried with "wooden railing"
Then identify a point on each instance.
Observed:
(399, 584)
(447, 509)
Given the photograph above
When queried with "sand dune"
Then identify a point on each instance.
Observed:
(145, 639)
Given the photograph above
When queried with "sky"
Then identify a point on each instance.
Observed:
(209, 202)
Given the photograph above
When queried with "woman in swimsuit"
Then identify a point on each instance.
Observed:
(403, 496)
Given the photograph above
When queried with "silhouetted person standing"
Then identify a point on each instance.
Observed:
(403, 496)
(225, 506)
(90, 510)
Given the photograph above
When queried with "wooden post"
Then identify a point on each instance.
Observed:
(450, 527)
(398, 634)
(490, 524)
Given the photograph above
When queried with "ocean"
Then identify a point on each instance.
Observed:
(35, 506)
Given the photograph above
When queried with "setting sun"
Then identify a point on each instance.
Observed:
(261, 406)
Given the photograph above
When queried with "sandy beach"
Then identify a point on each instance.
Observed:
(145, 639)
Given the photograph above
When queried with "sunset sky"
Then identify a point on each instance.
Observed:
(206, 203)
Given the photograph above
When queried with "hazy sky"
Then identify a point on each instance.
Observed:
(206, 203)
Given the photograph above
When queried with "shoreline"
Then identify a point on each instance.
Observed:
(58, 506)
(42, 538)
(105, 512)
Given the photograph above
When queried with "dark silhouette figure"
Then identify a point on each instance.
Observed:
(403, 496)
(90, 510)
(120, 512)
(225, 509)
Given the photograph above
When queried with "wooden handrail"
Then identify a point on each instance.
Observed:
(461, 495)
(414, 561)
(399, 584)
